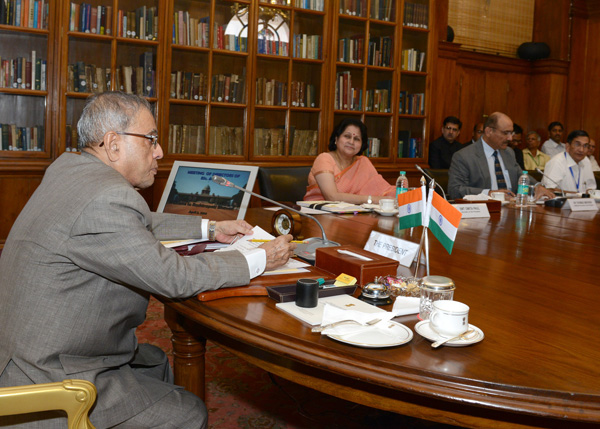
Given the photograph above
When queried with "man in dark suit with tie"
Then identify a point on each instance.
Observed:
(83, 258)
(488, 164)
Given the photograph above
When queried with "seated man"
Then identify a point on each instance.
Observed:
(443, 148)
(591, 152)
(532, 156)
(571, 170)
(486, 165)
(553, 145)
(515, 142)
(81, 261)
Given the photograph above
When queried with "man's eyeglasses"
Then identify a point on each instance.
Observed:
(153, 138)
(506, 133)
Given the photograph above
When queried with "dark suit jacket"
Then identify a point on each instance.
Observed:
(469, 173)
(441, 152)
(76, 273)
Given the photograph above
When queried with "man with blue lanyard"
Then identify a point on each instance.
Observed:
(571, 169)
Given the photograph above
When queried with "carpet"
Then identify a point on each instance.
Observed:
(240, 395)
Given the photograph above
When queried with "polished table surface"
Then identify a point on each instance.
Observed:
(530, 279)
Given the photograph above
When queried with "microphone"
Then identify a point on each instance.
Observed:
(431, 178)
(303, 250)
(544, 175)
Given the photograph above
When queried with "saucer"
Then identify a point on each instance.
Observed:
(386, 212)
(423, 328)
(393, 334)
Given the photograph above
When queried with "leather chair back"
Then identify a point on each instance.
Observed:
(283, 184)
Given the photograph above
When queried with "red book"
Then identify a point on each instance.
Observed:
(93, 20)
(108, 28)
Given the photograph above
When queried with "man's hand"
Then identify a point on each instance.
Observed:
(541, 191)
(228, 231)
(279, 251)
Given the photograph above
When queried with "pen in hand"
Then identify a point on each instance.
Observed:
(256, 240)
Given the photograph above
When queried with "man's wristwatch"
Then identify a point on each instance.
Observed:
(369, 200)
(212, 230)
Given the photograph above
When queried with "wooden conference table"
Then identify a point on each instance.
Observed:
(530, 278)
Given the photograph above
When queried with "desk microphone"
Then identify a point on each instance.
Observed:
(434, 181)
(555, 202)
(303, 250)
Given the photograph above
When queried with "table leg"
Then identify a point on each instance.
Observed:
(188, 355)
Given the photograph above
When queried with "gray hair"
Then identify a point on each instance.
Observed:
(537, 136)
(108, 111)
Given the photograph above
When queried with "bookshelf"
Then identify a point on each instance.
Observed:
(26, 80)
(380, 74)
(244, 81)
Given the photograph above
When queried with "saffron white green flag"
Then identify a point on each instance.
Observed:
(443, 221)
(410, 207)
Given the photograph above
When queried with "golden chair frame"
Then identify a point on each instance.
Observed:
(75, 397)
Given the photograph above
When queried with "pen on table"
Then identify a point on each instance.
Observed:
(255, 240)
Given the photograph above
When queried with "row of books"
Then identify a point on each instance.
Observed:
(87, 18)
(346, 97)
(224, 140)
(382, 9)
(412, 104)
(308, 4)
(190, 31)
(270, 92)
(409, 147)
(139, 24)
(269, 141)
(88, 78)
(23, 73)
(416, 15)
(377, 100)
(304, 142)
(13, 137)
(228, 88)
(353, 7)
(25, 13)
(230, 42)
(308, 46)
(373, 147)
(413, 60)
(187, 85)
(187, 138)
(351, 49)
(271, 47)
(83, 77)
(380, 51)
(303, 94)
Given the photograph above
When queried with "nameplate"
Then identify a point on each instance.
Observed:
(392, 247)
(472, 210)
(580, 204)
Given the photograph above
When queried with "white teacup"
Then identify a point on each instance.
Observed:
(497, 196)
(386, 205)
(449, 318)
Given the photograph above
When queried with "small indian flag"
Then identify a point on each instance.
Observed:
(444, 221)
(410, 207)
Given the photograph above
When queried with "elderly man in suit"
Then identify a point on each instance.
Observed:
(83, 258)
(488, 164)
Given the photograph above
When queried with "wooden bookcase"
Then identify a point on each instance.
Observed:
(260, 82)
(27, 78)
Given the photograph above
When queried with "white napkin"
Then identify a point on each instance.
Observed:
(406, 305)
(332, 314)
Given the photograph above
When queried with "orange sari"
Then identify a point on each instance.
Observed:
(360, 178)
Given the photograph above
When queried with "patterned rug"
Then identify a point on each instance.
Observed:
(240, 395)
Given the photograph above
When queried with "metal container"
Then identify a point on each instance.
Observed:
(434, 288)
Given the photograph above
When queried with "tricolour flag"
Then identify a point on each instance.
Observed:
(444, 221)
(410, 207)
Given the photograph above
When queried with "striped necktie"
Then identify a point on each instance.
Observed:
(499, 175)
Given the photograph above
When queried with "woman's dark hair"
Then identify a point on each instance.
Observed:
(341, 127)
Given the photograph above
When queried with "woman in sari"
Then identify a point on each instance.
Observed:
(342, 174)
